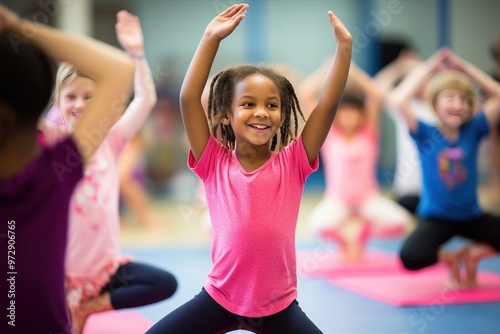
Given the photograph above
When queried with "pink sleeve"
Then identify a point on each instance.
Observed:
(207, 161)
(299, 158)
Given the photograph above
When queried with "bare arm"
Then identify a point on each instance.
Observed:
(193, 115)
(388, 76)
(111, 68)
(492, 88)
(401, 96)
(130, 36)
(321, 118)
(372, 94)
(309, 88)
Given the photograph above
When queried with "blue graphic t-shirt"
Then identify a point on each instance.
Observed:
(449, 170)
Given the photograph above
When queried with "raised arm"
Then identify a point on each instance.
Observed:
(130, 36)
(321, 118)
(372, 94)
(193, 115)
(387, 78)
(111, 68)
(309, 88)
(487, 84)
(401, 96)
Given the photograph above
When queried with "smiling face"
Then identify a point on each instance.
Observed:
(73, 99)
(255, 115)
(452, 97)
(452, 108)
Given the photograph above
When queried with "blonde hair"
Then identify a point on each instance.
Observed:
(66, 73)
(450, 79)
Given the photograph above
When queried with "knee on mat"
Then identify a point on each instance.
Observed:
(412, 260)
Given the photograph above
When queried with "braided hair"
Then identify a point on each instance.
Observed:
(221, 96)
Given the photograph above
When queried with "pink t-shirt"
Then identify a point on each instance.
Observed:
(350, 165)
(94, 226)
(254, 217)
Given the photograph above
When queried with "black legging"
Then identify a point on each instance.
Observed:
(421, 248)
(203, 315)
(138, 284)
(409, 202)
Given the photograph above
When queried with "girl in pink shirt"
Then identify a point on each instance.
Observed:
(98, 277)
(253, 165)
(350, 156)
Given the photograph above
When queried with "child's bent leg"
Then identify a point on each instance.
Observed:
(409, 202)
(493, 187)
(80, 315)
(137, 284)
(291, 320)
(327, 218)
(474, 253)
(200, 315)
(421, 247)
(330, 222)
(485, 231)
(133, 284)
(388, 219)
(452, 259)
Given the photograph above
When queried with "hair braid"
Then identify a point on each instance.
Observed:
(221, 96)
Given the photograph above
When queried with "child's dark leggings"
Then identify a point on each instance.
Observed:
(137, 284)
(421, 248)
(202, 314)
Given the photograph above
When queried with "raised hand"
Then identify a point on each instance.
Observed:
(453, 61)
(225, 23)
(342, 35)
(339, 29)
(129, 32)
(437, 61)
(408, 60)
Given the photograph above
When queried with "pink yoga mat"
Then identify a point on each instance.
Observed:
(424, 287)
(123, 322)
(330, 263)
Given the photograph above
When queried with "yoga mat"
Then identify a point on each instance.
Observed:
(330, 262)
(424, 287)
(123, 322)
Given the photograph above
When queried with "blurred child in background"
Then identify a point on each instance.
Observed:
(350, 157)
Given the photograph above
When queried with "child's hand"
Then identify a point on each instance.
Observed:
(437, 61)
(129, 32)
(339, 29)
(453, 61)
(407, 60)
(225, 23)
(7, 19)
